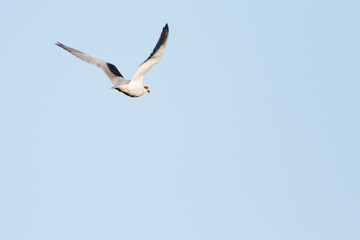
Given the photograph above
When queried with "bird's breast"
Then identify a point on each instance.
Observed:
(135, 90)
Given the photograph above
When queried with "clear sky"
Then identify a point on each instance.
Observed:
(251, 130)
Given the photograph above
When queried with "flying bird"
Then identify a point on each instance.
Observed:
(134, 87)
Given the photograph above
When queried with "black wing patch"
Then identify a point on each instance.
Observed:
(114, 70)
(161, 41)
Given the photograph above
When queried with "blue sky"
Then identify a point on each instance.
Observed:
(251, 129)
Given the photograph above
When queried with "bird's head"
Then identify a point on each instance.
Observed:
(146, 89)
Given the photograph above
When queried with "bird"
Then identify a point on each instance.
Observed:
(135, 86)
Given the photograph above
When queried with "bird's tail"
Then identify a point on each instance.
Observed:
(116, 86)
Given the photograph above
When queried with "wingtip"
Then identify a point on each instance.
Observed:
(166, 27)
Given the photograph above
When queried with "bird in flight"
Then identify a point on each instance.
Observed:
(134, 87)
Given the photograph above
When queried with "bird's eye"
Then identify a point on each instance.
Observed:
(146, 87)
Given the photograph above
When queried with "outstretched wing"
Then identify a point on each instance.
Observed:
(110, 70)
(154, 57)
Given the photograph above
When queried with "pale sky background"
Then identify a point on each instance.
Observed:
(251, 130)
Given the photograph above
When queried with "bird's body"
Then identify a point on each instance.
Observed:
(134, 87)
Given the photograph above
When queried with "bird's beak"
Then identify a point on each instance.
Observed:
(148, 91)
